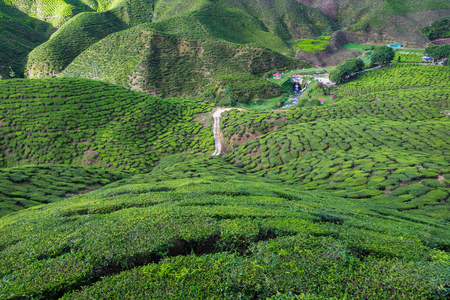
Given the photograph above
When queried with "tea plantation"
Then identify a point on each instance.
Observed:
(224, 236)
(24, 187)
(109, 189)
(79, 121)
(384, 141)
(174, 48)
(175, 65)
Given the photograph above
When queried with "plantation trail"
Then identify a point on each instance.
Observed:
(216, 129)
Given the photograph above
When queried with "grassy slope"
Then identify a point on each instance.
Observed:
(19, 35)
(178, 65)
(220, 234)
(28, 186)
(87, 122)
(203, 21)
(398, 19)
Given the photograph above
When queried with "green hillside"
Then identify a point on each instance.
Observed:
(79, 121)
(385, 140)
(231, 236)
(28, 186)
(180, 29)
(173, 65)
(19, 35)
(69, 41)
(110, 186)
(400, 20)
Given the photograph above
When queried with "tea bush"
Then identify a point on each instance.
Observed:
(28, 186)
(79, 121)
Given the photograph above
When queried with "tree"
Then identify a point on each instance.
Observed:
(337, 75)
(382, 55)
(438, 52)
(350, 66)
(438, 29)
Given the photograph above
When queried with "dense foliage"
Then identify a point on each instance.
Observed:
(438, 52)
(28, 186)
(347, 68)
(81, 121)
(438, 29)
(228, 236)
(382, 55)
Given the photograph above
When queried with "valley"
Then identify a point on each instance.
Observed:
(224, 149)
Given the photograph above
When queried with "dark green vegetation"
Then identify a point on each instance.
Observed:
(382, 55)
(350, 66)
(28, 186)
(438, 52)
(221, 234)
(439, 29)
(19, 34)
(87, 122)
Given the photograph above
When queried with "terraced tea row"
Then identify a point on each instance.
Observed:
(25, 187)
(356, 100)
(233, 238)
(85, 122)
(358, 159)
(395, 77)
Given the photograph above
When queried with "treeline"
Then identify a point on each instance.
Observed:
(438, 52)
(345, 69)
(380, 55)
(438, 29)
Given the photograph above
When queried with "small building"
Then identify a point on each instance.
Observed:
(277, 76)
(426, 58)
(394, 45)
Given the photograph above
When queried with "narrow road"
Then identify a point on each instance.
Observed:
(216, 130)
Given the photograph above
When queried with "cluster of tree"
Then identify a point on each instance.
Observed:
(382, 55)
(438, 52)
(345, 69)
(439, 29)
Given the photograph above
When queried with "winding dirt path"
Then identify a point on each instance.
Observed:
(216, 130)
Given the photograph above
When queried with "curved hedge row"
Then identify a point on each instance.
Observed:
(78, 121)
(200, 238)
(28, 186)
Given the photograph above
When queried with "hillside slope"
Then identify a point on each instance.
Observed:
(385, 141)
(232, 236)
(87, 122)
(28, 186)
(19, 35)
(213, 23)
(173, 65)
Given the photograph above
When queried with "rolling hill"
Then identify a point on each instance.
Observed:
(261, 29)
(84, 122)
(109, 189)
(219, 234)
